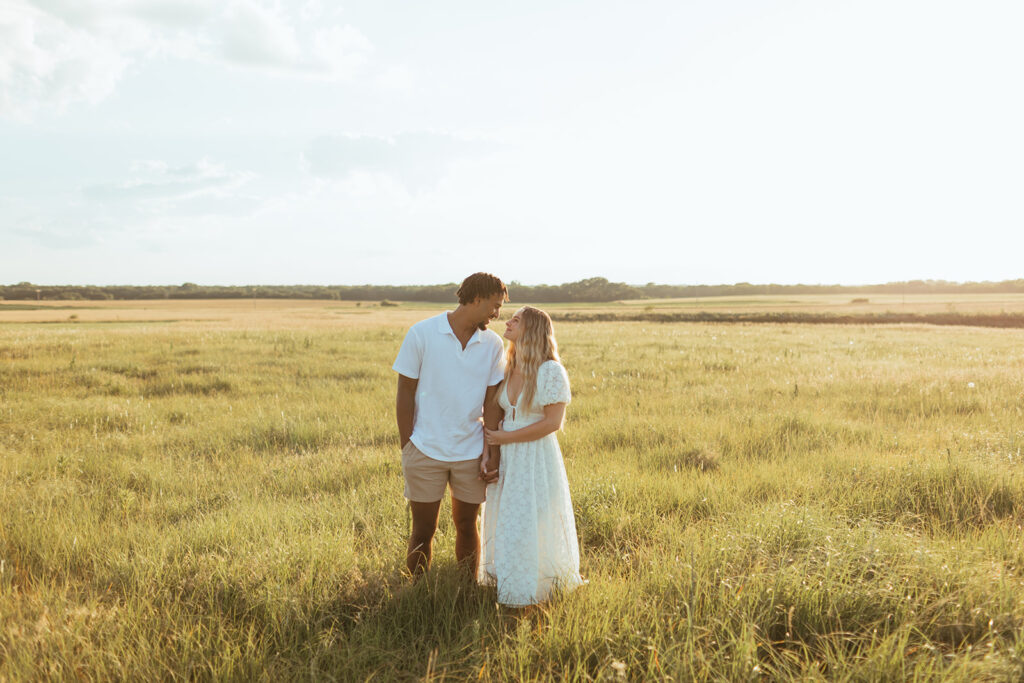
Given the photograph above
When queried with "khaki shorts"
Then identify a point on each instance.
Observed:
(426, 478)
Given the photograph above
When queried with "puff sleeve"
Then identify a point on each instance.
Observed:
(552, 384)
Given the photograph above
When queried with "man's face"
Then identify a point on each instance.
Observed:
(487, 310)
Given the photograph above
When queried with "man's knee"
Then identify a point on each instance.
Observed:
(466, 529)
(424, 520)
(464, 516)
(423, 535)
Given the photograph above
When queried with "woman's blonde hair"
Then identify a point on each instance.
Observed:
(536, 345)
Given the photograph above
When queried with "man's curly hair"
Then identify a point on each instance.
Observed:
(481, 286)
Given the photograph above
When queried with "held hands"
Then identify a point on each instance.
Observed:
(488, 465)
(487, 474)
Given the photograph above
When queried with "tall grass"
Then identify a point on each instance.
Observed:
(811, 502)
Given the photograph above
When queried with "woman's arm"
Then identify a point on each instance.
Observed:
(554, 415)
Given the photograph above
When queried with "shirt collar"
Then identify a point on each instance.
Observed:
(444, 327)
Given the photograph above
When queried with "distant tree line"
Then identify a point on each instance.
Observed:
(595, 289)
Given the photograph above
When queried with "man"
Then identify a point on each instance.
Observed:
(448, 369)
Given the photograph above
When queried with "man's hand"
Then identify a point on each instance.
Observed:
(488, 468)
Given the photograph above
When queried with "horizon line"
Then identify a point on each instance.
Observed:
(936, 281)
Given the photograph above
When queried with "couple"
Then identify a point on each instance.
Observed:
(453, 371)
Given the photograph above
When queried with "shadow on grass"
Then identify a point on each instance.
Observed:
(378, 627)
(439, 623)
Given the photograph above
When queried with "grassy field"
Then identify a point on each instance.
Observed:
(276, 313)
(213, 490)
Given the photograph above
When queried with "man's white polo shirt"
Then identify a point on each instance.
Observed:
(452, 385)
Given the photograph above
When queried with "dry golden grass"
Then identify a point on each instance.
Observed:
(317, 314)
(256, 314)
(220, 498)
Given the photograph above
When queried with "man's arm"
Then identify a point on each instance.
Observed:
(405, 407)
(493, 414)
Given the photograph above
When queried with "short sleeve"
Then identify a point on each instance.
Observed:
(553, 384)
(497, 366)
(410, 356)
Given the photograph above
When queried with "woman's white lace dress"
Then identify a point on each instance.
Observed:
(529, 533)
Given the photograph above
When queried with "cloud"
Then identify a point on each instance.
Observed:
(43, 59)
(56, 224)
(156, 180)
(54, 53)
(95, 13)
(156, 203)
(341, 50)
(171, 13)
(57, 236)
(418, 160)
(256, 35)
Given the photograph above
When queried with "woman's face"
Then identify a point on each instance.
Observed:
(514, 327)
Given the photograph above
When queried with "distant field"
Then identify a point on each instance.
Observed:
(857, 303)
(271, 313)
(212, 490)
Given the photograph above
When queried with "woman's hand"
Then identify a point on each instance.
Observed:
(497, 437)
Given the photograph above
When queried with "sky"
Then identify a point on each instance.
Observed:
(678, 142)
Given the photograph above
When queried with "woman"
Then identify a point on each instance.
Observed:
(529, 534)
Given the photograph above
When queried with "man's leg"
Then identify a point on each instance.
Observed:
(468, 492)
(425, 480)
(467, 536)
(424, 524)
